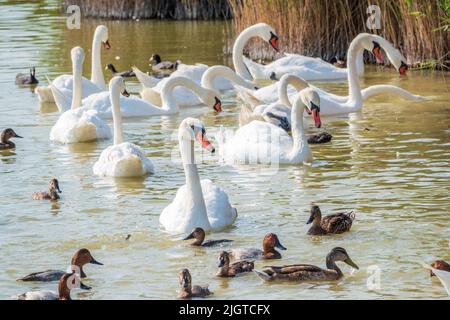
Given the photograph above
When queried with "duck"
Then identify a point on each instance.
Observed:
(261, 142)
(307, 272)
(322, 137)
(22, 79)
(122, 159)
(339, 62)
(439, 265)
(331, 224)
(5, 142)
(162, 65)
(210, 79)
(199, 235)
(97, 83)
(441, 270)
(195, 72)
(77, 124)
(187, 290)
(332, 104)
(270, 242)
(231, 270)
(66, 283)
(80, 258)
(123, 74)
(51, 194)
(198, 203)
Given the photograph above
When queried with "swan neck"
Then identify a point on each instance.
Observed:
(238, 51)
(117, 116)
(298, 134)
(167, 92)
(283, 85)
(354, 51)
(96, 65)
(77, 69)
(220, 71)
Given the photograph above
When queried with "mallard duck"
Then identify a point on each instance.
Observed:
(230, 270)
(51, 194)
(322, 137)
(187, 290)
(199, 235)
(307, 272)
(334, 223)
(439, 265)
(22, 78)
(123, 74)
(163, 65)
(5, 143)
(66, 283)
(79, 259)
(270, 242)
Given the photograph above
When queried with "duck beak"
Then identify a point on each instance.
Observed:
(190, 236)
(107, 45)
(125, 93)
(315, 110)
(279, 245)
(59, 190)
(310, 220)
(17, 136)
(184, 283)
(403, 68)
(84, 287)
(218, 105)
(351, 263)
(93, 261)
(205, 142)
(221, 263)
(274, 42)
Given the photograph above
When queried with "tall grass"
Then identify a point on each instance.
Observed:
(325, 28)
(153, 9)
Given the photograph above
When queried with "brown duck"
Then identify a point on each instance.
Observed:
(187, 290)
(230, 270)
(332, 224)
(199, 235)
(51, 194)
(440, 265)
(79, 259)
(5, 137)
(307, 272)
(23, 79)
(270, 242)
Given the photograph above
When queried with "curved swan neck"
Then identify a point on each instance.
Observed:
(114, 96)
(96, 65)
(168, 100)
(195, 202)
(215, 71)
(285, 81)
(355, 49)
(299, 145)
(238, 51)
(77, 70)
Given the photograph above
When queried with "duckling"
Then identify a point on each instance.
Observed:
(163, 65)
(439, 265)
(227, 270)
(66, 283)
(199, 235)
(307, 272)
(123, 74)
(334, 223)
(79, 259)
(22, 78)
(322, 137)
(270, 242)
(188, 291)
(52, 194)
(5, 143)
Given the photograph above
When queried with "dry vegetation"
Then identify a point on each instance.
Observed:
(324, 28)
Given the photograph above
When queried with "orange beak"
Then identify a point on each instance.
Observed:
(377, 52)
(205, 142)
(218, 105)
(106, 45)
(403, 68)
(274, 42)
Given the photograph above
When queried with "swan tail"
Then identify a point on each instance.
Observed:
(247, 96)
(62, 101)
(146, 80)
(389, 89)
(150, 95)
(257, 70)
(44, 94)
(262, 275)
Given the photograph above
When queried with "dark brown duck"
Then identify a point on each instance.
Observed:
(51, 194)
(227, 269)
(332, 224)
(199, 235)
(5, 142)
(187, 290)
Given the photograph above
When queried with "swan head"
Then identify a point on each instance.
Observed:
(311, 100)
(77, 55)
(118, 84)
(267, 33)
(210, 98)
(101, 33)
(191, 128)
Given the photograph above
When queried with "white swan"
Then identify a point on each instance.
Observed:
(122, 159)
(97, 83)
(264, 143)
(195, 72)
(332, 104)
(197, 203)
(78, 124)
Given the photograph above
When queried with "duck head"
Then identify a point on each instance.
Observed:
(81, 258)
(198, 234)
(8, 134)
(54, 185)
(223, 260)
(340, 254)
(316, 215)
(185, 280)
(67, 282)
(155, 57)
(440, 265)
(270, 242)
